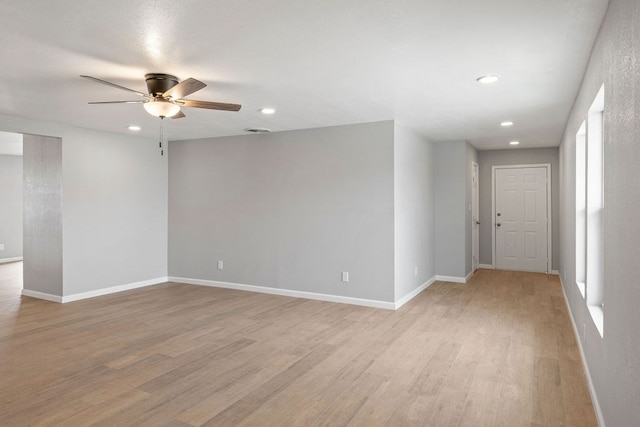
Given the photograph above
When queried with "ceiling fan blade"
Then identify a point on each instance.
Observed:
(184, 88)
(209, 105)
(178, 115)
(104, 82)
(117, 102)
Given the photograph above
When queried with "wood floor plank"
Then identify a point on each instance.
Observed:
(237, 380)
(198, 363)
(248, 404)
(548, 402)
(496, 351)
(431, 378)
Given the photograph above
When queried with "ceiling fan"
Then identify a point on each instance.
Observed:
(166, 95)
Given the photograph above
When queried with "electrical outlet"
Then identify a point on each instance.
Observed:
(345, 276)
(220, 265)
(2, 247)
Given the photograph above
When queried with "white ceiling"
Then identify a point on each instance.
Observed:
(319, 63)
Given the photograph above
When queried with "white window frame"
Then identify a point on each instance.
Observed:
(594, 203)
(581, 209)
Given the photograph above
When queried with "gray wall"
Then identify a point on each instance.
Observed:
(487, 159)
(115, 210)
(614, 361)
(471, 155)
(42, 171)
(414, 196)
(287, 210)
(450, 209)
(11, 202)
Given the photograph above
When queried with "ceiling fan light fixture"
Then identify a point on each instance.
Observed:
(161, 108)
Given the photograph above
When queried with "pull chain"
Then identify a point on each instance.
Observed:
(161, 135)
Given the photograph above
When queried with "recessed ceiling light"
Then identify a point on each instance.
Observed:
(134, 128)
(506, 124)
(514, 142)
(489, 78)
(267, 110)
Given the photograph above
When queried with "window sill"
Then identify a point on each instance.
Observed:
(581, 287)
(597, 314)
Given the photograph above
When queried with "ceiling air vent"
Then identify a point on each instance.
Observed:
(257, 130)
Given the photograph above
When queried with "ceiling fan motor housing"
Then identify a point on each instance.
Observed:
(158, 83)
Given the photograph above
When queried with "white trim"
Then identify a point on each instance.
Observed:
(597, 315)
(287, 292)
(475, 195)
(14, 259)
(468, 276)
(237, 286)
(453, 279)
(587, 373)
(487, 266)
(408, 297)
(549, 219)
(41, 295)
(92, 294)
(113, 289)
(556, 272)
(493, 208)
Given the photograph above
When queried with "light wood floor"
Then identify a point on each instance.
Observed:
(498, 351)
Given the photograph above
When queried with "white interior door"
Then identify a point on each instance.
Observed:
(521, 218)
(475, 218)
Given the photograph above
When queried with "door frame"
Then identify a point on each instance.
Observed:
(475, 216)
(493, 208)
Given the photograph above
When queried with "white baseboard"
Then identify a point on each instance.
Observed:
(14, 259)
(41, 295)
(405, 299)
(592, 390)
(453, 279)
(487, 266)
(92, 294)
(286, 292)
(113, 289)
(556, 272)
(238, 286)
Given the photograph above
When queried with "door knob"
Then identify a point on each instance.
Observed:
(498, 214)
(477, 222)
(498, 225)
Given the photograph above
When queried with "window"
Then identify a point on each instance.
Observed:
(589, 210)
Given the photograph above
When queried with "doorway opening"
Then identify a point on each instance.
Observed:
(11, 214)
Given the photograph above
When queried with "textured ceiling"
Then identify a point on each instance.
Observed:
(320, 63)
